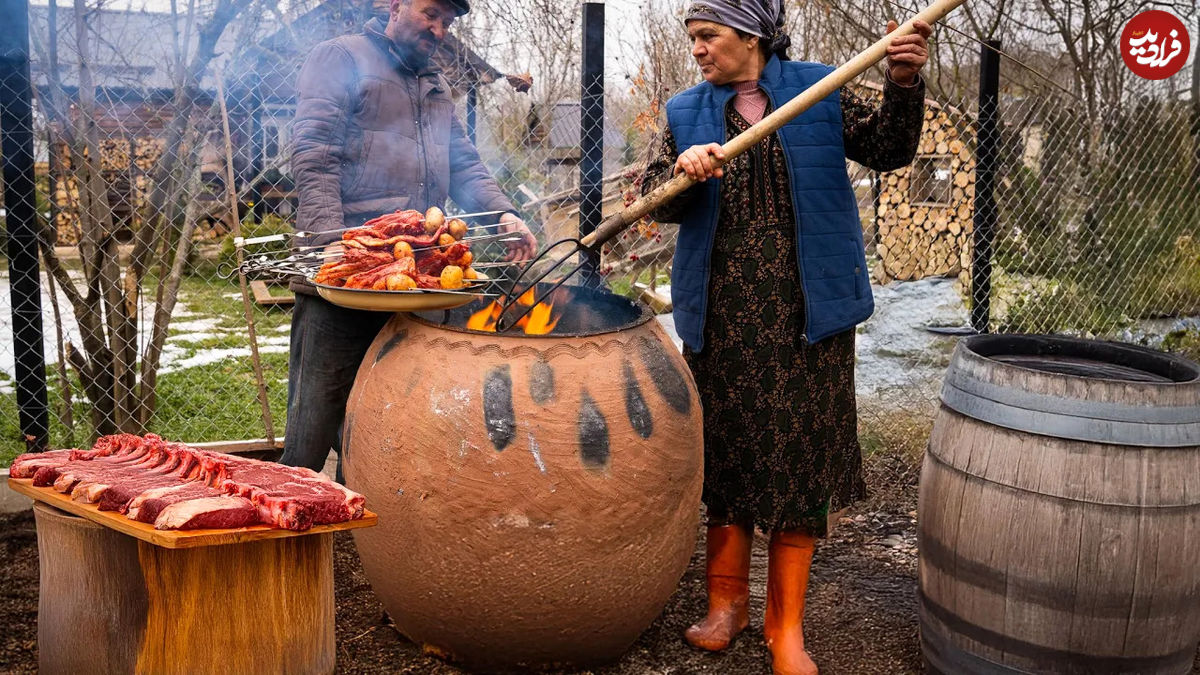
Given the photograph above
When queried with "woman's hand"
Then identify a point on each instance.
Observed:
(907, 54)
(697, 162)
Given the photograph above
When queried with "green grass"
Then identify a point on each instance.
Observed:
(1184, 342)
(216, 401)
(212, 298)
(1124, 258)
(623, 285)
(11, 443)
(220, 401)
(894, 431)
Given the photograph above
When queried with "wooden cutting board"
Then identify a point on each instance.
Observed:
(173, 538)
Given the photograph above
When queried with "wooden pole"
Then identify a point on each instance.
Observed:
(771, 123)
(236, 226)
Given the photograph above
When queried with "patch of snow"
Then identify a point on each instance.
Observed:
(176, 354)
(1151, 332)
(201, 326)
(893, 347)
(211, 356)
(667, 321)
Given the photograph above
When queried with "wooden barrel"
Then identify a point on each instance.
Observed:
(1059, 514)
(109, 603)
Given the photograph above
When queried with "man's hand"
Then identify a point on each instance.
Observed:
(526, 247)
(908, 54)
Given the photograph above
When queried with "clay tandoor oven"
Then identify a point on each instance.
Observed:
(538, 496)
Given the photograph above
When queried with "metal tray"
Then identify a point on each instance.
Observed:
(398, 301)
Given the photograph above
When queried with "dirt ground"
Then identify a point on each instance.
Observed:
(861, 615)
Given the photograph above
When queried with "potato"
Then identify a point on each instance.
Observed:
(403, 250)
(457, 228)
(434, 219)
(470, 274)
(466, 259)
(400, 282)
(452, 277)
(445, 240)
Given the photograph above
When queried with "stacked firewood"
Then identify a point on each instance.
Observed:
(925, 211)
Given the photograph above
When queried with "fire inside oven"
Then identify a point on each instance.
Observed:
(568, 311)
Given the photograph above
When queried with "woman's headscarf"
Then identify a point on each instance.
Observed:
(763, 18)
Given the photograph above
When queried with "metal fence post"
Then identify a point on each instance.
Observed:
(258, 146)
(472, 105)
(987, 156)
(20, 203)
(591, 122)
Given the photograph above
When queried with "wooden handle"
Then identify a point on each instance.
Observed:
(768, 125)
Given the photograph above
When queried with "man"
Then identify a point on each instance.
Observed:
(375, 131)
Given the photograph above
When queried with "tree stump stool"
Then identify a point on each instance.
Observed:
(112, 603)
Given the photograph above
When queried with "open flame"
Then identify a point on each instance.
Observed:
(540, 320)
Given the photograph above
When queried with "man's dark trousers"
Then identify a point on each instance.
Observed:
(327, 345)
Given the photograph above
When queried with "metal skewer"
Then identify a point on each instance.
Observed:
(265, 239)
(481, 239)
(507, 263)
(304, 262)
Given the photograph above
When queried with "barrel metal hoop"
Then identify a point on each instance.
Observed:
(950, 658)
(1010, 415)
(1106, 604)
(946, 658)
(1075, 407)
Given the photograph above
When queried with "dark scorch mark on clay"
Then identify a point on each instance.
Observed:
(498, 415)
(347, 427)
(635, 404)
(541, 382)
(391, 344)
(593, 434)
(671, 383)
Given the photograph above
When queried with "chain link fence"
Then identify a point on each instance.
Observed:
(140, 192)
(169, 137)
(1094, 235)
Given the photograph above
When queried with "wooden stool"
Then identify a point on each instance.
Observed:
(112, 603)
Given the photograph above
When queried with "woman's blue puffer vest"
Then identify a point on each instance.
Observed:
(829, 251)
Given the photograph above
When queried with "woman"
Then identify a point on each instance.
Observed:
(768, 283)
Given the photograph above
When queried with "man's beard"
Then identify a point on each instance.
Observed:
(412, 53)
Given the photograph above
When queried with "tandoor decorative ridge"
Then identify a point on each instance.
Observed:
(578, 351)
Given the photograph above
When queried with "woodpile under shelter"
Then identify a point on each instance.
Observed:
(923, 212)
